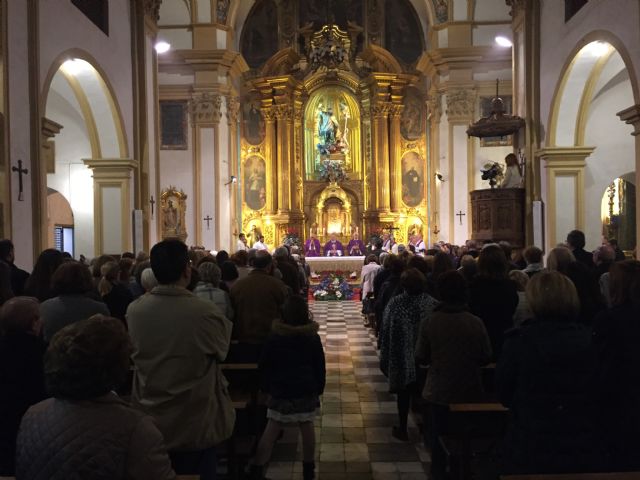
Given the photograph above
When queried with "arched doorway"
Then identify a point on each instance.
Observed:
(618, 212)
(60, 225)
(86, 154)
(589, 145)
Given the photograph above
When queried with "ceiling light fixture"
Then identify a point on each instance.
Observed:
(162, 47)
(596, 49)
(503, 41)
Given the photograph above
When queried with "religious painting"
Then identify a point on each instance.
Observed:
(255, 184)
(412, 121)
(173, 125)
(403, 31)
(173, 206)
(259, 39)
(222, 10)
(412, 179)
(253, 125)
(485, 111)
(441, 8)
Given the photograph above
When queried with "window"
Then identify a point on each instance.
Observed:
(95, 10)
(63, 239)
(571, 7)
(173, 123)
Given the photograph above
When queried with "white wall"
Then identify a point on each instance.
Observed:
(64, 27)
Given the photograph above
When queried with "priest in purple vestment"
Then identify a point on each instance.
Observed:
(333, 248)
(355, 248)
(312, 247)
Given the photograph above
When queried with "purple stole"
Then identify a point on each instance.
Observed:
(312, 247)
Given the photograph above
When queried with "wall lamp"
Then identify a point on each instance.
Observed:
(232, 179)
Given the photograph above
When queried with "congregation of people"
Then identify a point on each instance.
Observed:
(124, 355)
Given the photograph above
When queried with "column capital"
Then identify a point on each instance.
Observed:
(565, 157)
(152, 9)
(380, 110)
(205, 107)
(283, 111)
(111, 167)
(631, 116)
(233, 109)
(461, 103)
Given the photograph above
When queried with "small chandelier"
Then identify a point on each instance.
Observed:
(498, 124)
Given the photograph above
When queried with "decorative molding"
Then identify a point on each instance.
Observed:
(233, 109)
(460, 103)
(434, 107)
(380, 110)
(222, 11)
(631, 116)
(152, 9)
(205, 108)
(283, 111)
(375, 17)
(516, 6)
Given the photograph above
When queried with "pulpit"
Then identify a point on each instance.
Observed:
(498, 214)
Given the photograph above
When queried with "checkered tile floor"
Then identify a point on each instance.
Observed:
(353, 429)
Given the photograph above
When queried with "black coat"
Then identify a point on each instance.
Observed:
(546, 377)
(584, 257)
(21, 385)
(494, 300)
(18, 279)
(616, 339)
(292, 363)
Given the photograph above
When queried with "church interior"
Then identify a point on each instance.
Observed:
(203, 119)
(128, 122)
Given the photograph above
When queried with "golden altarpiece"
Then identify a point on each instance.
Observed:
(333, 136)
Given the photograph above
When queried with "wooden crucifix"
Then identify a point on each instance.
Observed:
(152, 202)
(207, 219)
(20, 171)
(460, 215)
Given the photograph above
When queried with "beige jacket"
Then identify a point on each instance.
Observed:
(178, 340)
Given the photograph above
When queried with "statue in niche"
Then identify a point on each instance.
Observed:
(172, 209)
(170, 217)
(332, 138)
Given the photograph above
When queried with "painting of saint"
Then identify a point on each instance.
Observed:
(403, 32)
(412, 121)
(253, 125)
(412, 179)
(259, 39)
(255, 185)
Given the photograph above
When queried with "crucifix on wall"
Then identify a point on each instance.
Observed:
(208, 220)
(20, 171)
(152, 202)
(460, 215)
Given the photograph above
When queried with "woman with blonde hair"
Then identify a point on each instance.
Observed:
(559, 259)
(545, 377)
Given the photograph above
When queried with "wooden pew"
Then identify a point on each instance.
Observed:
(576, 476)
(467, 424)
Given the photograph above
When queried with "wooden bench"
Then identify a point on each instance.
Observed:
(576, 476)
(470, 423)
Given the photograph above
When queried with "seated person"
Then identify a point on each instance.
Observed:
(21, 374)
(86, 431)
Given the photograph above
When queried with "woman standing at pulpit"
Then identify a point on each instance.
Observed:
(513, 175)
(355, 248)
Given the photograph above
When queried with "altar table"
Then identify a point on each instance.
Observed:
(333, 264)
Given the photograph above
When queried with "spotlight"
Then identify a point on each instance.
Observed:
(162, 47)
(596, 49)
(439, 177)
(232, 179)
(504, 41)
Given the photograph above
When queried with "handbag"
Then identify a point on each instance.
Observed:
(368, 305)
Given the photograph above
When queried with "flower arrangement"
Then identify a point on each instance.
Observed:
(332, 171)
(333, 286)
(291, 239)
(494, 172)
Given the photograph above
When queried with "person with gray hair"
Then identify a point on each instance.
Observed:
(148, 280)
(208, 288)
(21, 373)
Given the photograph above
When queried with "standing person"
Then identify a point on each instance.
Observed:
(86, 431)
(333, 248)
(545, 376)
(208, 288)
(18, 276)
(179, 341)
(21, 371)
(455, 344)
(241, 244)
(533, 256)
(398, 339)
(513, 175)
(292, 371)
(71, 285)
(257, 300)
(356, 248)
(312, 246)
(616, 335)
(493, 296)
(576, 241)
(38, 285)
(114, 293)
(260, 245)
